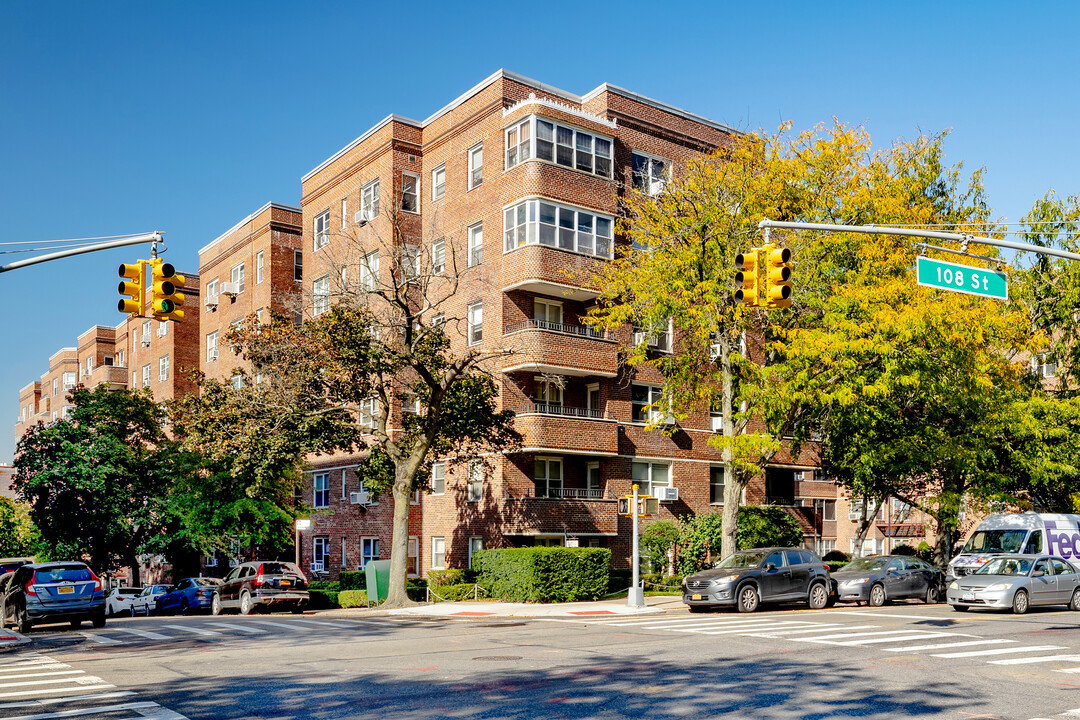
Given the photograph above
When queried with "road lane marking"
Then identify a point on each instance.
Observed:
(241, 628)
(749, 625)
(851, 635)
(195, 630)
(317, 622)
(829, 627)
(279, 625)
(1031, 660)
(51, 673)
(32, 666)
(101, 638)
(135, 706)
(942, 646)
(70, 698)
(1000, 651)
(868, 613)
(904, 638)
(144, 633)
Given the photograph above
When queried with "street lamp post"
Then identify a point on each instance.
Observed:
(636, 595)
(301, 524)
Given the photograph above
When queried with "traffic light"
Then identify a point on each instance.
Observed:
(134, 291)
(166, 299)
(746, 278)
(777, 277)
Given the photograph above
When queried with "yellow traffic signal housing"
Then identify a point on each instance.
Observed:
(777, 277)
(166, 299)
(134, 291)
(746, 278)
(624, 505)
(648, 505)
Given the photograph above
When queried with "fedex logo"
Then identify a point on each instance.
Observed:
(1064, 542)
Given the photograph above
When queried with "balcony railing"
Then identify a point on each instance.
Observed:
(571, 493)
(579, 330)
(779, 500)
(564, 411)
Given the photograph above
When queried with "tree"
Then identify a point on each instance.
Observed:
(18, 536)
(96, 481)
(701, 536)
(387, 344)
(658, 542)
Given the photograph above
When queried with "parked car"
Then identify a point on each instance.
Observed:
(52, 592)
(190, 594)
(1017, 533)
(748, 578)
(146, 602)
(1018, 582)
(118, 601)
(880, 578)
(261, 584)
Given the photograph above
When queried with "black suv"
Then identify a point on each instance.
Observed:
(748, 578)
(261, 583)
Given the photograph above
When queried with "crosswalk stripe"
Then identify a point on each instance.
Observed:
(146, 704)
(823, 628)
(640, 621)
(1068, 670)
(280, 625)
(144, 633)
(1000, 651)
(738, 631)
(316, 622)
(942, 646)
(1031, 660)
(70, 698)
(32, 661)
(53, 691)
(752, 625)
(194, 630)
(104, 640)
(379, 624)
(854, 635)
(894, 638)
(241, 628)
(32, 666)
(47, 682)
(51, 673)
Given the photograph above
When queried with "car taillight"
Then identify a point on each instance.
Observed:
(30, 585)
(259, 578)
(97, 581)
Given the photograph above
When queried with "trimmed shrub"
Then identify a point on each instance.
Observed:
(352, 598)
(332, 585)
(442, 578)
(544, 574)
(453, 593)
(352, 580)
(619, 580)
(324, 599)
(905, 550)
(836, 565)
(416, 589)
(836, 556)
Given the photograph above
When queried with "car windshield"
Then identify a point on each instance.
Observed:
(1005, 566)
(62, 574)
(741, 560)
(273, 568)
(129, 591)
(866, 564)
(161, 589)
(206, 582)
(984, 541)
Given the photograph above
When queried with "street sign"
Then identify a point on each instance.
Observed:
(961, 278)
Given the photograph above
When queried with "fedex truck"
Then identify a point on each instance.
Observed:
(1019, 533)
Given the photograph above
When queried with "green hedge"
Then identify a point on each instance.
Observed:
(352, 580)
(443, 578)
(352, 598)
(665, 583)
(619, 580)
(416, 589)
(324, 599)
(544, 574)
(462, 591)
(332, 585)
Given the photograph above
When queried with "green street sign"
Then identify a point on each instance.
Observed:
(961, 278)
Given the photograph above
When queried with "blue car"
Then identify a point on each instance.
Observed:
(188, 595)
(52, 592)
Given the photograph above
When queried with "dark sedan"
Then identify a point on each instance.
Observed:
(188, 595)
(748, 578)
(878, 579)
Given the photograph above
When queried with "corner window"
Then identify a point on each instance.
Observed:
(369, 201)
(539, 222)
(650, 173)
(320, 291)
(322, 229)
(476, 165)
(410, 192)
(259, 267)
(438, 182)
(566, 146)
(321, 496)
(476, 323)
(518, 143)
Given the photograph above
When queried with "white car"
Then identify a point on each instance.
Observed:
(119, 600)
(146, 602)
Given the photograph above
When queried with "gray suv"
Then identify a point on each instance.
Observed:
(52, 592)
(748, 578)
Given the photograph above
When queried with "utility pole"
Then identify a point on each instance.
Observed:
(154, 237)
(635, 597)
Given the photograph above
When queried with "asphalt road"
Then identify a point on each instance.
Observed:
(898, 661)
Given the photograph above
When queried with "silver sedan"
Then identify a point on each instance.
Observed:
(1017, 582)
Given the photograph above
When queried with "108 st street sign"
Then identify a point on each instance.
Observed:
(961, 278)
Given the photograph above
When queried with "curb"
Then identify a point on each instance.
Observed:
(10, 640)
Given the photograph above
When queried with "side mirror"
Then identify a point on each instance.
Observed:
(769, 567)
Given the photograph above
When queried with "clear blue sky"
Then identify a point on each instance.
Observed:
(121, 117)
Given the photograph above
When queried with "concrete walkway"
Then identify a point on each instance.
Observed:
(657, 604)
(9, 639)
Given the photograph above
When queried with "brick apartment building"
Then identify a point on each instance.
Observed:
(512, 186)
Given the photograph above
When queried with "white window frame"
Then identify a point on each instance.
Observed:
(1044, 365)
(321, 229)
(438, 552)
(320, 560)
(369, 271)
(438, 256)
(589, 390)
(146, 375)
(438, 182)
(415, 194)
(518, 150)
(476, 543)
(476, 244)
(414, 556)
(655, 394)
(370, 413)
(238, 277)
(438, 478)
(653, 184)
(344, 485)
(369, 201)
(583, 146)
(590, 467)
(70, 378)
(55, 386)
(320, 295)
(237, 381)
(544, 310)
(659, 340)
(344, 224)
(410, 262)
(539, 221)
(369, 549)
(298, 265)
(344, 553)
(650, 482)
(549, 391)
(212, 346)
(320, 490)
(475, 479)
(260, 269)
(476, 165)
(476, 323)
(550, 482)
(163, 368)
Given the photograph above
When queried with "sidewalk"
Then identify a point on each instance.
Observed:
(658, 604)
(9, 640)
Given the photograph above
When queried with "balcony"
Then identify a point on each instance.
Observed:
(562, 411)
(543, 516)
(560, 349)
(549, 271)
(115, 375)
(566, 433)
(564, 328)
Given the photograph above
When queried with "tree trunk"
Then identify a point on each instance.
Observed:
(133, 563)
(732, 497)
(733, 486)
(864, 526)
(399, 543)
(944, 542)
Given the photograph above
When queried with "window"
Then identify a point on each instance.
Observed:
(369, 550)
(320, 291)
(410, 192)
(322, 229)
(320, 553)
(146, 332)
(642, 397)
(369, 272)
(344, 486)
(476, 166)
(238, 278)
(211, 346)
(259, 267)
(716, 485)
(410, 262)
(476, 544)
(1045, 365)
(163, 368)
(146, 375)
(549, 391)
(438, 553)
(548, 477)
(69, 380)
(547, 313)
(539, 222)
(414, 555)
(716, 417)
(476, 481)
(344, 556)
(566, 146)
(55, 386)
(518, 143)
(237, 381)
(476, 244)
(826, 546)
(90, 363)
(592, 478)
(658, 339)
(438, 478)
(650, 173)
(344, 224)
(369, 413)
(438, 257)
(649, 476)
(438, 182)
(825, 509)
(369, 201)
(410, 404)
(321, 495)
(297, 266)
(476, 323)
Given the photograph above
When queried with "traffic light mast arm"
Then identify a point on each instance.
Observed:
(154, 237)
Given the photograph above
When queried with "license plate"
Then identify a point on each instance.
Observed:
(968, 596)
(65, 590)
(695, 596)
(285, 583)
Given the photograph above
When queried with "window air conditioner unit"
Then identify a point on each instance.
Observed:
(662, 418)
(230, 288)
(359, 498)
(854, 516)
(362, 216)
(657, 186)
(146, 340)
(211, 303)
(667, 494)
(212, 355)
(161, 332)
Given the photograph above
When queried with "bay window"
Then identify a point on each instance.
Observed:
(534, 222)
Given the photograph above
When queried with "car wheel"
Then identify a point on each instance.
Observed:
(76, 624)
(23, 623)
(184, 607)
(99, 620)
(932, 595)
(1020, 602)
(245, 603)
(818, 597)
(1074, 603)
(877, 595)
(960, 608)
(748, 599)
(215, 604)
